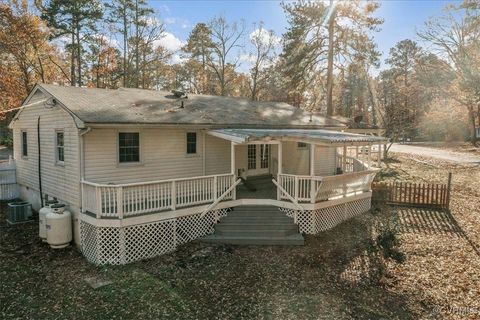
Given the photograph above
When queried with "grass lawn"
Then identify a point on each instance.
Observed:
(336, 275)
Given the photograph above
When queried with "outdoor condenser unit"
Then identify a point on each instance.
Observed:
(18, 212)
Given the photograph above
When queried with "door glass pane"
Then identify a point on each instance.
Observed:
(264, 156)
(252, 157)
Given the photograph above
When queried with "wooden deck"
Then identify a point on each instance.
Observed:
(265, 189)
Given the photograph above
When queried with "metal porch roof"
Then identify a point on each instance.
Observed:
(318, 136)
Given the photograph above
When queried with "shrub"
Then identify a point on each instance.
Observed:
(7, 141)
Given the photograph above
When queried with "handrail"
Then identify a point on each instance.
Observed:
(290, 198)
(216, 202)
(350, 174)
(294, 175)
(134, 184)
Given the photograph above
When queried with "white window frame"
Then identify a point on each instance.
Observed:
(197, 149)
(22, 144)
(59, 162)
(117, 148)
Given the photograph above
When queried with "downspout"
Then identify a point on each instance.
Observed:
(82, 161)
(39, 163)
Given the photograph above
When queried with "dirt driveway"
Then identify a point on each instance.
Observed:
(440, 154)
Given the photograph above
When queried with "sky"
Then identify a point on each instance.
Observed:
(402, 18)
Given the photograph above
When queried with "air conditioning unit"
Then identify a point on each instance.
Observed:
(18, 212)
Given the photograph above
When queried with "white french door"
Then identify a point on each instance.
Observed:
(258, 159)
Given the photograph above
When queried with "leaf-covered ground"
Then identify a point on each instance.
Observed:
(336, 275)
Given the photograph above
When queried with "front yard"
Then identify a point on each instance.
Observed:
(337, 275)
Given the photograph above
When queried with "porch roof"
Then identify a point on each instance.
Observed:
(317, 136)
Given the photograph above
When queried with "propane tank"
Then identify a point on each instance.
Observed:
(42, 214)
(59, 227)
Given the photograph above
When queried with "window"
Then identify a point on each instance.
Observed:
(252, 156)
(59, 143)
(265, 155)
(302, 145)
(191, 142)
(128, 147)
(24, 144)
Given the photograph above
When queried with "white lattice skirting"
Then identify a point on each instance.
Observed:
(120, 245)
(314, 221)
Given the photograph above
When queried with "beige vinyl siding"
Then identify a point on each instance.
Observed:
(297, 160)
(325, 161)
(162, 152)
(217, 155)
(241, 159)
(57, 181)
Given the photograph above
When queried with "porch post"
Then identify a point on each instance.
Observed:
(232, 169)
(379, 160)
(312, 159)
(232, 157)
(369, 156)
(280, 156)
(344, 159)
(204, 168)
(312, 172)
(279, 169)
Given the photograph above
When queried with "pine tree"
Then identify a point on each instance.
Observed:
(73, 18)
(321, 38)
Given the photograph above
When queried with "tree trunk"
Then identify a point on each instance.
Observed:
(125, 45)
(72, 60)
(474, 128)
(254, 84)
(137, 38)
(330, 63)
(79, 57)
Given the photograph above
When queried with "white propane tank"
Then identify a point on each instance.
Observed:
(59, 227)
(42, 214)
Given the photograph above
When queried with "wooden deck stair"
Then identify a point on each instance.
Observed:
(256, 225)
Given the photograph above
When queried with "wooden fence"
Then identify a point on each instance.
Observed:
(431, 195)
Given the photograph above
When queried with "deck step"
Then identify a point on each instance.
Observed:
(256, 225)
(255, 232)
(290, 240)
(257, 208)
(256, 213)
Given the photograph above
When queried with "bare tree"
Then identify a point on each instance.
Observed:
(456, 36)
(225, 39)
(264, 42)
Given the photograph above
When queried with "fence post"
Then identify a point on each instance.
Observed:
(234, 191)
(173, 195)
(296, 188)
(449, 185)
(215, 195)
(98, 196)
(312, 190)
(120, 202)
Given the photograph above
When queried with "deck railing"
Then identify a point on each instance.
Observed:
(124, 200)
(315, 188)
(351, 164)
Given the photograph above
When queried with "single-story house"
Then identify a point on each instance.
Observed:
(144, 171)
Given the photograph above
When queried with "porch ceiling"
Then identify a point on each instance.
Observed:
(316, 136)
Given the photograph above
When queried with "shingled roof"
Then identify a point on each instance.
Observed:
(138, 106)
